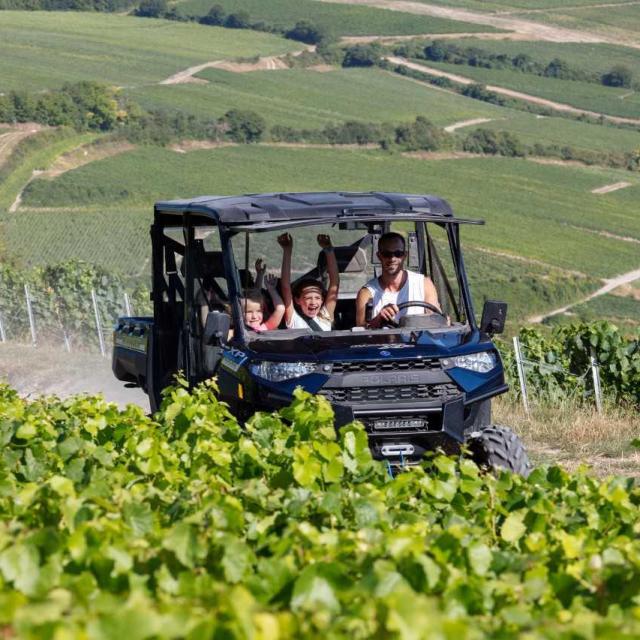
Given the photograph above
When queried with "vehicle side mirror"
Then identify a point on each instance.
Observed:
(216, 329)
(494, 316)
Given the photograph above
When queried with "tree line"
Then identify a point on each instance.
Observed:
(439, 51)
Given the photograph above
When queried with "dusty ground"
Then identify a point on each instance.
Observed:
(10, 139)
(571, 435)
(52, 371)
(567, 434)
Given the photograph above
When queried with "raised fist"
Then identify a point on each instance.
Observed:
(285, 240)
(261, 266)
(271, 280)
(324, 240)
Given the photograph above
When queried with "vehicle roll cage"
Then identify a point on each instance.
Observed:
(277, 212)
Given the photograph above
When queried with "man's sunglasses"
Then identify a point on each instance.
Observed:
(398, 253)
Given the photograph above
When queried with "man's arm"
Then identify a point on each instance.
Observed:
(364, 295)
(430, 293)
(388, 312)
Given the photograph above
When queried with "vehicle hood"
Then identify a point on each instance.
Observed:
(355, 346)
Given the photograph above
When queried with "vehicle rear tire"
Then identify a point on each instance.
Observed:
(500, 448)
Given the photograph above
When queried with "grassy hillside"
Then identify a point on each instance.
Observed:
(588, 57)
(616, 20)
(303, 98)
(114, 49)
(540, 212)
(533, 129)
(583, 95)
(338, 19)
(525, 5)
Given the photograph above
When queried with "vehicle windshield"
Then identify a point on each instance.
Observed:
(359, 262)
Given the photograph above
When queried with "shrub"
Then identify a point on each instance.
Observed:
(308, 32)
(618, 76)
(491, 142)
(362, 55)
(238, 20)
(480, 92)
(151, 9)
(215, 16)
(420, 135)
(244, 126)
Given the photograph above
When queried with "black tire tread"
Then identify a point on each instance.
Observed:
(499, 447)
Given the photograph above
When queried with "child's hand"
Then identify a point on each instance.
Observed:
(285, 240)
(270, 281)
(261, 266)
(324, 240)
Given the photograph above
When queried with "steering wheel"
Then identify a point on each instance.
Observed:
(414, 303)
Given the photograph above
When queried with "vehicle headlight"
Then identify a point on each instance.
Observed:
(278, 371)
(481, 362)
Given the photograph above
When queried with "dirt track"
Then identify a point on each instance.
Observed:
(526, 28)
(266, 63)
(558, 106)
(10, 139)
(610, 285)
(51, 371)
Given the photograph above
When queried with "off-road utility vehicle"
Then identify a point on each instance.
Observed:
(426, 382)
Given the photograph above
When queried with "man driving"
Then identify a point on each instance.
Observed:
(394, 286)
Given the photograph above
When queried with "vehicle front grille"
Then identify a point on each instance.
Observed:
(425, 364)
(434, 392)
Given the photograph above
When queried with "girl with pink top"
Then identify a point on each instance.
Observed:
(254, 307)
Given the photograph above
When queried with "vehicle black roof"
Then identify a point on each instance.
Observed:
(263, 209)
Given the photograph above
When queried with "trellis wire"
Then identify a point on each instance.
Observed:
(127, 305)
(98, 326)
(32, 324)
(521, 375)
(593, 369)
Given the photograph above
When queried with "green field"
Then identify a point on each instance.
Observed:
(532, 129)
(524, 5)
(338, 19)
(583, 95)
(621, 20)
(588, 57)
(539, 212)
(624, 312)
(303, 98)
(43, 50)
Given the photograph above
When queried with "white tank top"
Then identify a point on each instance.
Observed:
(413, 289)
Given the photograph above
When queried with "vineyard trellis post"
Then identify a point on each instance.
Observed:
(98, 325)
(32, 324)
(521, 374)
(3, 335)
(67, 342)
(597, 388)
(127, 305)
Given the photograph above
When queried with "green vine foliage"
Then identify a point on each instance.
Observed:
(559, 362)
(62, 303)
(114, 524)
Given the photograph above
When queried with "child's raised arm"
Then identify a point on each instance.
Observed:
(286, 242)
(261, 269)
(334, 274)
(273, 322)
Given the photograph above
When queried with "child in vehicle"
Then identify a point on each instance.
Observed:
(316, 306)
(254, 306)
